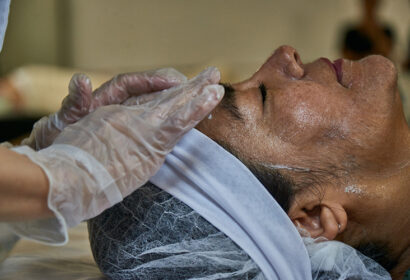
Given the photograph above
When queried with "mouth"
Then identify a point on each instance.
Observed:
(336, 66)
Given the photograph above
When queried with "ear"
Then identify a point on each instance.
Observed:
(319, 218)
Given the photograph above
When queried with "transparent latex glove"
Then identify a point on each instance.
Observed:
(96, 162)
(81, 100)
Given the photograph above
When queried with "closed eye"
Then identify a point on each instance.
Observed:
(262, 89)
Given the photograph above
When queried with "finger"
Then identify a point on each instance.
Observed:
(142, 99)
(210, 75)
(200, 107)
(195, 86)
(174, 98)
(76, 104)
(188, 116)
(124, 86)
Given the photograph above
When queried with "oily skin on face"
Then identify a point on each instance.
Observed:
(345, 118)
(314, 117)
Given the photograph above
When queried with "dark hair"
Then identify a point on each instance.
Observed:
(379, 252)
(228, 102)
(283, 188)
(279, 186)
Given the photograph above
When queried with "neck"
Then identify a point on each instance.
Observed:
(401, 242)
(379, 217)
(403, 265)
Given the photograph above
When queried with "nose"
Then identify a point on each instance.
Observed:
(287, 59)
(284, 60)
(290, 61)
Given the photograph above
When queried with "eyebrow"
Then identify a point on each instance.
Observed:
(229, 102)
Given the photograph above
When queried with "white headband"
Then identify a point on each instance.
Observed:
(221, 189)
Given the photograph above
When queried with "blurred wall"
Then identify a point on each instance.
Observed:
(235, 35)
(32, 34)
(126, 35)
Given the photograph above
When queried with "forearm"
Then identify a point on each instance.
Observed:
(23, 188)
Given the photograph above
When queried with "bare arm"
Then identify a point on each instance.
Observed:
(23, 188)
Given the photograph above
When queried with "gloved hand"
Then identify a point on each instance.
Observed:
(96, 162)
(81, 100)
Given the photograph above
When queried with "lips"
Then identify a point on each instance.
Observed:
(337, 67)
(338, 64)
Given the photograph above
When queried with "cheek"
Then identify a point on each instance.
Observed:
(297, 120)
(250, 106)
(214, 124)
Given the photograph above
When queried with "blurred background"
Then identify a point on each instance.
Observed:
(49, 40)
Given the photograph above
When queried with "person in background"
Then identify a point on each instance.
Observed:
(369, 36)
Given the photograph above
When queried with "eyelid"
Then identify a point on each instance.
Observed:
(262, 89)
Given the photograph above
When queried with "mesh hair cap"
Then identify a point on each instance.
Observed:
(205, 216)
(336, 260)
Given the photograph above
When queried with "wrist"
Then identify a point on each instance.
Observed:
(80, 186)
(24, 189)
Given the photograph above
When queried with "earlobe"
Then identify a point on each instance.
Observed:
(326, 219)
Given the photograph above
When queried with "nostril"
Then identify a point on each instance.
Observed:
(287, 60)
(295, 70)
(296, 56)
(295, 66)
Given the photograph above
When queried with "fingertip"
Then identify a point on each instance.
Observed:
(80, 83)
(214, 91)
(215, 74)
(212, 74)
(81, 77)
(207, 101)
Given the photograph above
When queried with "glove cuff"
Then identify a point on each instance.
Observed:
(79, 188)
(101, 183)
(49, 231)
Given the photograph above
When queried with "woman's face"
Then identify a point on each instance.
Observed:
(313, 115)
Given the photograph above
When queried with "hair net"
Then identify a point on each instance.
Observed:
(253, 231)
(4, 16)
(188, 235)
(153, 235)
(336, 260)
